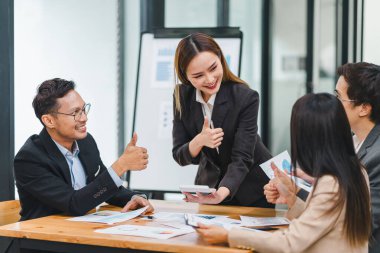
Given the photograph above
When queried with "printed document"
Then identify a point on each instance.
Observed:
(109, 217)
(263, 221)
(283, 162)
(145, 231)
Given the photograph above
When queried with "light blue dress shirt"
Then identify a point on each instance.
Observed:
(77, 172)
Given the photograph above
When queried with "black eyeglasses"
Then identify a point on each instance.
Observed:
(78, 113)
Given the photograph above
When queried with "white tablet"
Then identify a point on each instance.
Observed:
(196, 188)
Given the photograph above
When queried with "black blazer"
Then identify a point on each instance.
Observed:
(237, 165)
(44, 183)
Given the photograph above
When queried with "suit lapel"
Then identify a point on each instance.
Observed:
(368, 142)
(56, 155)
(221, 106)
(196, 113)
(219, 112)
(84, 158)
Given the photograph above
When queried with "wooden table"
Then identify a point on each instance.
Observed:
(55, 233)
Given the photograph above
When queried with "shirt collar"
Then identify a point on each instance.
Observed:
(357, 143)
(199, 98)
(65, 151)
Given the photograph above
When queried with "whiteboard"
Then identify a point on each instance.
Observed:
(154, 111)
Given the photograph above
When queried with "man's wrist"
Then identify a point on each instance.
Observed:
(115, 177)
(117, 168)
(139, 195)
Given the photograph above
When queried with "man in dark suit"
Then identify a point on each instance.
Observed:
(60, 170)
(358, 88)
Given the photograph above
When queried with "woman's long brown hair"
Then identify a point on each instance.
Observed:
(186, 50)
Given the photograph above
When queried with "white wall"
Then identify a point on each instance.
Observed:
(74, 40)
(132, 34)
(195, 13)
(288, 80)
(371, 52)
(247, 15)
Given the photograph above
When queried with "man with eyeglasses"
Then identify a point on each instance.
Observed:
(60, 170)
(358, 88)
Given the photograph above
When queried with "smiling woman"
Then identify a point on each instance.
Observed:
(215, 126)
(205, 72)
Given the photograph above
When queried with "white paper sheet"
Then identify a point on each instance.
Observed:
(145, 231)
(177, 220)
(263, 221)
(178, 225)
(109, 217)
(227, 223)
(169, 217)
(179, 217)
(223, 221)
(283, 162)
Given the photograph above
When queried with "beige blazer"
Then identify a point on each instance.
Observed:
(309, 231)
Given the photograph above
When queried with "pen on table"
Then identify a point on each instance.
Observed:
(267, 228)
(212, 126)
(150, 217)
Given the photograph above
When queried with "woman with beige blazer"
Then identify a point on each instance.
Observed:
(336, 215)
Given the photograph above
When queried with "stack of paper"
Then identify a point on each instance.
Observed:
(263, 221)
(145, 231)
(109, 217)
